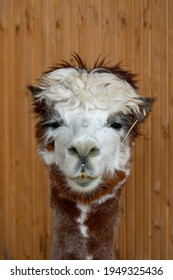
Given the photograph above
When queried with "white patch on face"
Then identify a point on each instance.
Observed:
(85, 101)
(82, 218)
(86, 131)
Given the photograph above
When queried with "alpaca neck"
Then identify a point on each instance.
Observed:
(84, 225)
(84, 231)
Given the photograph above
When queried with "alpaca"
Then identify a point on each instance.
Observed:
(88, 120)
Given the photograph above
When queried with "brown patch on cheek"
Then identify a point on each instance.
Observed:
(40, 131)
(40, 136)
(50, 146)
(43, 112)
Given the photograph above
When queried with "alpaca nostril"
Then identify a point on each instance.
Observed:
(72, 150)
(94, 151)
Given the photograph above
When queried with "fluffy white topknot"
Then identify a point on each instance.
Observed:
(78, 89)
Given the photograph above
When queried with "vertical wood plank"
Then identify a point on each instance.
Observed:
(155, 149)
(146, 88)
(170, 91)
(164, 128)
(10, 225)
(120, 55)
(3, 132)
(130, 188)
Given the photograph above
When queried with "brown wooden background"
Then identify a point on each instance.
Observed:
(36, 34)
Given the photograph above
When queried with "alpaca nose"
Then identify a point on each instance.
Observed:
(84, 149)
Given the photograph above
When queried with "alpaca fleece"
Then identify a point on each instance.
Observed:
(87, 122)
(82, 220)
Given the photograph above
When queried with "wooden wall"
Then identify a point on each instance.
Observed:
(36, 34)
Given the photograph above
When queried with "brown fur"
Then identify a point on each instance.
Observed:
(68, 243)
(101, 222)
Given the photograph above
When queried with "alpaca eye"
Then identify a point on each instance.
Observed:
(116, 125)
(54, 125)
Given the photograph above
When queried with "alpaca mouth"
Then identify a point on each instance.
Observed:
(83, 180)
(84, 176)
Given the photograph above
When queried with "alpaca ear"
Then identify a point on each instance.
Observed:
(34, 90)
(145, 108)
(39, 106)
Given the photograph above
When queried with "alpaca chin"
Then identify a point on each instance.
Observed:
(61, 187)
(84, 185)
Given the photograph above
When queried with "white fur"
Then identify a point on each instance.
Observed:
(85, 101)
(104, 198)
(82, 218)
(120, 184)
(48, 157)
(89, 257)
(78, 89)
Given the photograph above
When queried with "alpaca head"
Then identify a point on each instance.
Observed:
(88, 120)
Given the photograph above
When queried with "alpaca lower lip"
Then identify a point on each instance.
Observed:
(82, 183)
(83, 180)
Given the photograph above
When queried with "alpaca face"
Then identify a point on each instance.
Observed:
(84, 120)
(86, 147)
